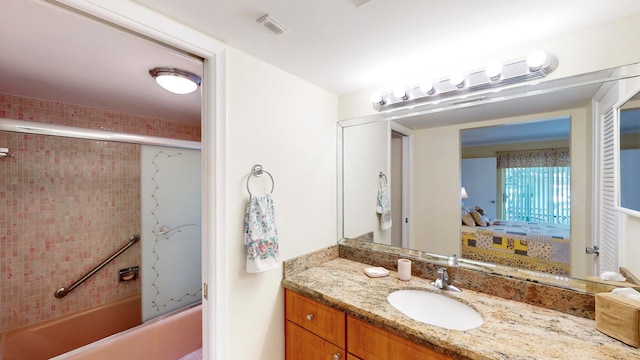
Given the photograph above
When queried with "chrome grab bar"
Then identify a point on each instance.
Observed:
(62, 292)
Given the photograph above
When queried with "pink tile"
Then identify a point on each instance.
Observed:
(69, 204)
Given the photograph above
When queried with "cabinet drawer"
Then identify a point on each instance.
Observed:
(371, 343)
(302, 344)
(322, 320)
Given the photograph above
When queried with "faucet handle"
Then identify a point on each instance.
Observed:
(444, 276)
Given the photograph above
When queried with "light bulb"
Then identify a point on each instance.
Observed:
(376, 98)
(426, 87)
(536, 60)
(400, 93)
(493, 70)
(457, 79)
(175, 84)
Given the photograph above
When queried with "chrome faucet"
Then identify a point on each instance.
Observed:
(442, 282)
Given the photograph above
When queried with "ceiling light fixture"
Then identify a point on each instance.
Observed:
(175, 80)
(400, 93)
(493, 77)
(537, 59)
(376, 97)
(427, 87)
(457, 79)
(494, 70)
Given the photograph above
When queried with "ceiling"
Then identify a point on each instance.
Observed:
(49, 53)
(543, 130)
(344, 48)
(54, 54)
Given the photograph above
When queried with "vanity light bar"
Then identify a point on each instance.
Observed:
(536, 66)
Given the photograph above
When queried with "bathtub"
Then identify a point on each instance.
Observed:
(176, 335)
(56, 336)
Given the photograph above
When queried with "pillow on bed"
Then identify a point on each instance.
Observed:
(478, 218)
(467, 219)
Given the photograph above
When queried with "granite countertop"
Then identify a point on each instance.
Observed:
(511, 329)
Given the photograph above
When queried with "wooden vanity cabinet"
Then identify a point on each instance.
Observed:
(314, 331)
(372, 343)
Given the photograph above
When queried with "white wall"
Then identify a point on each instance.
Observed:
(365, 154)
(436, 171)
(288, 126)
(630, 249)
(479, 177)
(598, 47)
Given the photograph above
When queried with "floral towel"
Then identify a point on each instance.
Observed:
(260, 234)
(384, 207)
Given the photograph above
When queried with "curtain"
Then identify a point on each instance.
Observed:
(533, 158)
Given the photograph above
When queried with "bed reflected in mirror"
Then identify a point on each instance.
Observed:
(517, 178)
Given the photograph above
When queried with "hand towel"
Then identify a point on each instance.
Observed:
(261, 234)
(612, 275)
(629, 293)
(384, 206)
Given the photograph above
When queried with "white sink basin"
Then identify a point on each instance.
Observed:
(435, 309)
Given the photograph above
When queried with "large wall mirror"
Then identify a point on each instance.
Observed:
(546, 130)
(630, 154)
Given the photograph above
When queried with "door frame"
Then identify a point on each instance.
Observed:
(143, 21)
(407, 182)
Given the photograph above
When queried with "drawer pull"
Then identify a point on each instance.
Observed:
(336, 356)
(310, 317)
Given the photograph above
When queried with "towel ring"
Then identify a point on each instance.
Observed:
(382, 176)
(257, 171)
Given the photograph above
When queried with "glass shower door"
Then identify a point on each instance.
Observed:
(171, 229)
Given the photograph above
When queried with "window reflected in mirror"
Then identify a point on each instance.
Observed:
(630, 154)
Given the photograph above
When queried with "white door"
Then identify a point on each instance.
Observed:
(171, 231)
(605, 227)
(479, 178)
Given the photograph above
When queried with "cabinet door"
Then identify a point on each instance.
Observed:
(303, 345)
(320, 319)
(371, 343)
(350, 356)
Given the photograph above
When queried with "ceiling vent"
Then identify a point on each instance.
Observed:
(272, 24)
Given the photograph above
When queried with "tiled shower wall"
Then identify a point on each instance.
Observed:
(67, 204)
